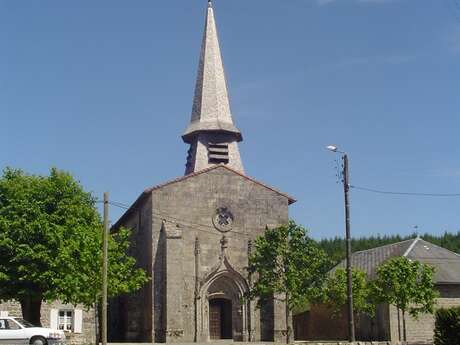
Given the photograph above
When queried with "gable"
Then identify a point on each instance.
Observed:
(196, 177)
(291, 200)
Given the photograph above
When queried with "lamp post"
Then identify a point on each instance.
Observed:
(346, 188)
(104, 268)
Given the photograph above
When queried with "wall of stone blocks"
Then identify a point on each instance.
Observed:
(422, 329)
(192, 204)
(129, 315)
(86, 337)
(177, 215)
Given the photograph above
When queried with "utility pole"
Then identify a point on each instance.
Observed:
(346, 188)
(104, 268)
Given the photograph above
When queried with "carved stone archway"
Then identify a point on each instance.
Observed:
(224, 283)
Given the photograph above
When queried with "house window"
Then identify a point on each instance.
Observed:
(65, 320)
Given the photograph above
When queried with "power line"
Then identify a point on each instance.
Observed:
(187, 223)
(406, 193)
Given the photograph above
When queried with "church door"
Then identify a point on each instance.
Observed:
(220, 319)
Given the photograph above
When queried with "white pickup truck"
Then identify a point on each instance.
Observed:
(15, 330)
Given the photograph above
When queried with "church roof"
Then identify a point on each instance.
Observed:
(147, 191)
(445, 262)
(211, 104)
(182, 178)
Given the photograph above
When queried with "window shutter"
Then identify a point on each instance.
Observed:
(77, 320)
(54, 318)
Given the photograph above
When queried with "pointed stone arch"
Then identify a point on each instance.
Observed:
(223, 283)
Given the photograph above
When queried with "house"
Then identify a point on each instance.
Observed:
(387, 323)
(77, 322)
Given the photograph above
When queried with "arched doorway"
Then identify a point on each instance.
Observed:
(223, 312)
(220, 319)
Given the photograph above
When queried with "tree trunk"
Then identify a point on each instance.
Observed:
(30, 307)
(404, 324)
(288, 326)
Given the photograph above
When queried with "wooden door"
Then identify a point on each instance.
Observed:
(215, 321)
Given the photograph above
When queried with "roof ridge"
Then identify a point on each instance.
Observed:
(385, 245)
(291, 200)
(221, 165)
(406, 253)
(440, 247)
(180, 178)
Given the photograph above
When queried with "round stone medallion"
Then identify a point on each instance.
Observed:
(223, 219)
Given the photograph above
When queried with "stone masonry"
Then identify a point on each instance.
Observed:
(421, 330)
(193, 235)
(191, 262)
(84, 335)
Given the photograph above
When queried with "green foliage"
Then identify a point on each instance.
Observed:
(335, 292)
(335, 247)
(287, 261)
(447, 327)
(50, 242)
(406, 284)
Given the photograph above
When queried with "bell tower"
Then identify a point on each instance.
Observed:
(212, 136)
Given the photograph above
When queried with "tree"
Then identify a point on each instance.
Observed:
(287, 263)
(50, 244)
(406, 284)
(335, 292)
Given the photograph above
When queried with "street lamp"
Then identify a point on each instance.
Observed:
(346, 187)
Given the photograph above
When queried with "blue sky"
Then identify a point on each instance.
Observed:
(104, 90)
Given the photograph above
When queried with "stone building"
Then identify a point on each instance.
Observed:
(387, 323)
(193, 234)
(77, 322)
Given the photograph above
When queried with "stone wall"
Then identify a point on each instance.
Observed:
(281, 343)
(181, 214)
(129, 316)
(319, 324)
(191, 204)
(363, 343)
(420, 330)
(88, 331)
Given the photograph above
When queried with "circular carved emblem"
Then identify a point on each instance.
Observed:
(223, 219)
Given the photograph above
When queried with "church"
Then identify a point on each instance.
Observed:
(193, 234)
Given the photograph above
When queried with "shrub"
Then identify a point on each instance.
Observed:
(447, 327)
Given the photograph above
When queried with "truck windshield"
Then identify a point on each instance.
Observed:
(25, 323)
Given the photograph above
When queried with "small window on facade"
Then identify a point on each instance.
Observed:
(65, 321)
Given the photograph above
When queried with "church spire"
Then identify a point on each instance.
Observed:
(211, 133)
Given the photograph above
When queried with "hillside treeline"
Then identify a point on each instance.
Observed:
(335, 247)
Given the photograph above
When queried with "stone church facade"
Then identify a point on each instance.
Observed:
(193, 234)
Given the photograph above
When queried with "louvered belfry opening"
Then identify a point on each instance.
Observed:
(218, 153)
(211, 123)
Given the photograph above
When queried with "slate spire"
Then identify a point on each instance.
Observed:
(211, 133)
